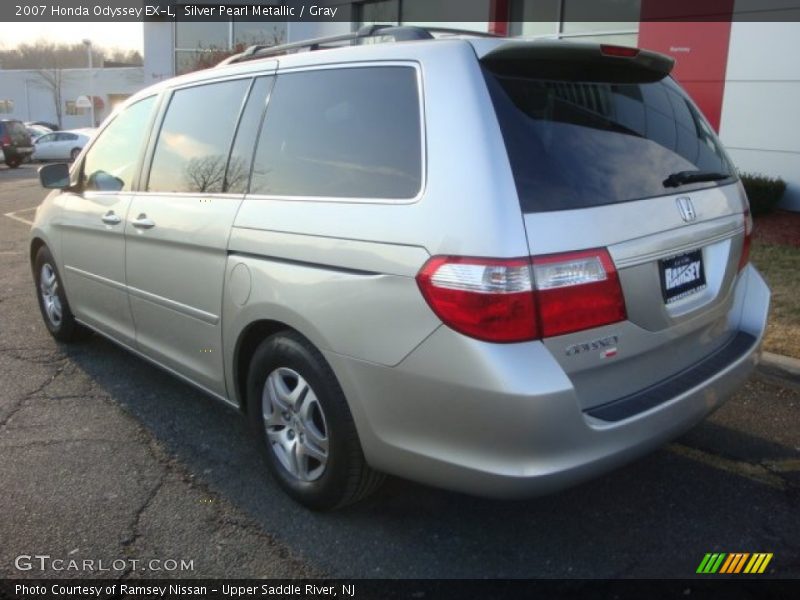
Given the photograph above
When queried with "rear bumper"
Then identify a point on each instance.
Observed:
(505, 421)
(20, 152)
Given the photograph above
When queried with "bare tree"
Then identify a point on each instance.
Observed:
(205, 174)
(51, 80)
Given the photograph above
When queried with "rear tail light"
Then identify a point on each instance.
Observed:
(487, 299)
(5, 140)
(577, 291)
(748, 237)
(523, 299)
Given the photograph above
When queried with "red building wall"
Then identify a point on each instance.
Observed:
(699, 47)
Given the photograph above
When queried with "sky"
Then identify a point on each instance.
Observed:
(127, 36)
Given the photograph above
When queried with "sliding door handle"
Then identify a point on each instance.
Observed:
(142, 222)
(110, 218)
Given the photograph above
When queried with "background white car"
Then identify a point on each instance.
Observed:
(37, 131)
(61, 145)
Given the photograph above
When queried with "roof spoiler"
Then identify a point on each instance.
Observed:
(569, 61)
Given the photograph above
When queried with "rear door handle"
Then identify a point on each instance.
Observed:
(110, 218)
(142, 222)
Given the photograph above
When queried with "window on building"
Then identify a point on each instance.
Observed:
(341, 133)
(110, 164)
(382, 11)
(248, 33)
(582, 17)
(71, 110)
(190, 35)
(192, 148)
(424, 13)
(582, 20)
(534, 17)
(6, 106)
(200, 44)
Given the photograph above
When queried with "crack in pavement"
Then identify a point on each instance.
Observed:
(760, 473)
(129, 542)
(17, 406)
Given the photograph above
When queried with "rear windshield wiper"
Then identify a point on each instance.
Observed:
(684, 177)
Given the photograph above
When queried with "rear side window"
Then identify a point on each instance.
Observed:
(579, 144)
(342, 133)
(192, 148)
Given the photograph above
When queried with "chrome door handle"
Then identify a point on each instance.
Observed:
(142, 222)
(110, 218)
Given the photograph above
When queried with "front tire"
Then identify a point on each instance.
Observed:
(57, 316)
(303, 425)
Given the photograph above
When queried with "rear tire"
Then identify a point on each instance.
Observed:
(303, 425)
(13, 163)
(56, 313)
(74, 154)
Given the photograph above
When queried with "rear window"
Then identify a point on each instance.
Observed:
(575, 144)
(341, 133)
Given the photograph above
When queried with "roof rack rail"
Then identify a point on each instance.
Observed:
(400, 33)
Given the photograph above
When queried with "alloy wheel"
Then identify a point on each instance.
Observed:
(295, 424)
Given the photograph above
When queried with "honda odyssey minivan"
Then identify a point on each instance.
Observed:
(495, 266)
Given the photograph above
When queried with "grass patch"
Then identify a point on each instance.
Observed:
(780, 266)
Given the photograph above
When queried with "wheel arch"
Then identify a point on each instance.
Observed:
(36, 243)
(248, 340)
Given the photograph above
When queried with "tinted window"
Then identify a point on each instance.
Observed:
(349, 133)
(50, 137)
(246, 133)
(110, 164)
(193, 144)
(574, 144)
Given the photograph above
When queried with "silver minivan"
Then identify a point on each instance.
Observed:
(495, 266)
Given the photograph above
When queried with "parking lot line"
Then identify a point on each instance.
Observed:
(14, 215)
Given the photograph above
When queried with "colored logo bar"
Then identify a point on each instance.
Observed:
(735, 562)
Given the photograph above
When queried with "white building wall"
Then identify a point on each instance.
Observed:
(760, 123)
(33, 101)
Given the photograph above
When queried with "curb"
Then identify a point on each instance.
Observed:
(782, 367)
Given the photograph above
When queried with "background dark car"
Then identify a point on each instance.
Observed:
(15, 142)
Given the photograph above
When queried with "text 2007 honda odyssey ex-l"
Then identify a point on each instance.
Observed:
(489, 265)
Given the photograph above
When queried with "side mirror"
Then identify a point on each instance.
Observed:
(54, 176)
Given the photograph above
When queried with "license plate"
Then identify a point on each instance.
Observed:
(682, 275)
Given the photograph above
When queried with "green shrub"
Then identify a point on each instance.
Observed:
(763, 192)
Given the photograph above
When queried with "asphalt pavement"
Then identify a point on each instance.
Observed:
(105, 457)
